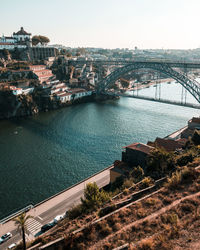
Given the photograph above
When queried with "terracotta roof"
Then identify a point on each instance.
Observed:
(195, 119)
(182, 141)
(140, 147)
(6, 44)
(168, 145)
(22, 32)
(37, 66)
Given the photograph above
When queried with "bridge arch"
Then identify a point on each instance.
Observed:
(191, 85)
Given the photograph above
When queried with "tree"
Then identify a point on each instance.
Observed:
(159, 160)
(93, 197)
(20, 222)
(196, 137)
(40, 39)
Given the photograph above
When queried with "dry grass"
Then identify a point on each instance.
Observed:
(167, 226)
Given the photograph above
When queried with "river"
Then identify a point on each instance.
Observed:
(46, 153)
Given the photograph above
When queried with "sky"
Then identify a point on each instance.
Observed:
(147, 24)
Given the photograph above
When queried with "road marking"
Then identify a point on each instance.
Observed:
(39, 217)
(33, 226)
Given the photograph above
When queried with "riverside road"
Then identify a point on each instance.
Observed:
(49, 209)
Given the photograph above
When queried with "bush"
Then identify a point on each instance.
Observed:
(146, 182)
(137, 173)
(178, 177)
(128, 183)
(146, 245)
(185, 159)
(196, 137)
(75, 211)
(174, 181)
(104, 229)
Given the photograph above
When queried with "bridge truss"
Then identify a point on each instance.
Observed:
(189, 84)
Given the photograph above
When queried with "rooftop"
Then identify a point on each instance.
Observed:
(168, 145)
(22, 32)
(140, 147)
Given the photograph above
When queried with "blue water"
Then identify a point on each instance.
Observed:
(44, 154)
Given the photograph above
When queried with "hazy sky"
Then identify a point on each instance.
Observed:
(106, 23)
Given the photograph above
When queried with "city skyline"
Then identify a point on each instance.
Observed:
(147, 24)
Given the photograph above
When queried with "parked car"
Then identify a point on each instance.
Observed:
(5, 237)
(47, 226)
(12, 246)
(58, 218)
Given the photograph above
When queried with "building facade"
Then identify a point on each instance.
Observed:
(20, 40)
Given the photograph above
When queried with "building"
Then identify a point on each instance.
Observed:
(22, 36)
(79, 93)
(136, 153)
(194, 123)
(20, 40)
(42, 73)
(167, 144)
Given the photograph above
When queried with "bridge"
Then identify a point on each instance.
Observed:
(169, 68)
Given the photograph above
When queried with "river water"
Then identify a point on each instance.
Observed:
(44, 154)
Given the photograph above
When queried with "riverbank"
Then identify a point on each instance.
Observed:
(150, 83)
(29, 105)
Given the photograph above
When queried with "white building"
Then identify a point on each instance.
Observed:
(22, 35)
(20, 40)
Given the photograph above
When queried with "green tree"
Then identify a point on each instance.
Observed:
(196, 137)
(93, 197)
(137, 173)
(40, 39)
(20, 222)
(159, 160)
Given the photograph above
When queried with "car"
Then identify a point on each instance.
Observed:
(12, 246)
(58, 218)
(47, 226)
(5, 237)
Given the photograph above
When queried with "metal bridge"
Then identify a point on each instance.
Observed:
(169, 68)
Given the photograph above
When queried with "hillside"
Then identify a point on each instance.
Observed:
(167, 217)
(137, 212)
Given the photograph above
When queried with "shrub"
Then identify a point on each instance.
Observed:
(185, 159)
(172, 219)
(128, 183)
(125, 191)
(185, 174)
(137, 173)
(174, 181)
(104, 229)
(146, 182)
(151, 201)
(196, 137)
(117, 226)
(75, 211)
(146, 245)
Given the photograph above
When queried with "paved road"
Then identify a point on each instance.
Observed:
(48, 210)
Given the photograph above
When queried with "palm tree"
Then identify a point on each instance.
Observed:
(20, 222)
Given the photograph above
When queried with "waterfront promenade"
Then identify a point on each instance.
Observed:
(46, 210)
